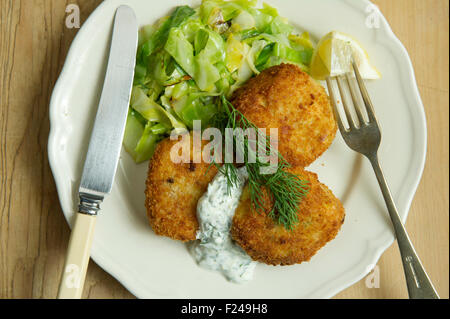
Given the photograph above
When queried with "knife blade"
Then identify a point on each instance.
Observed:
(107, 135)
(104, 149)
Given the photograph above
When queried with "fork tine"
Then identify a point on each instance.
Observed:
(333, 104)
(365, 94)
(355, 101)
(345, 104)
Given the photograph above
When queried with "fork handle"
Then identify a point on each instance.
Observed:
(417, 280)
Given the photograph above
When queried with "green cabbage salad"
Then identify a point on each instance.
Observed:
(187, 60)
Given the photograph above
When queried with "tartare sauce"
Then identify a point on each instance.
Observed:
(215, 249)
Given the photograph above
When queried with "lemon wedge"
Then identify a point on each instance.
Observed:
(333, 57)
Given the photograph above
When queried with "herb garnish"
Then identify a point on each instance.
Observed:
(285, 189)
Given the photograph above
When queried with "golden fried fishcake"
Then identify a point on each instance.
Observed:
(320, 215)
(287, 98)
(173, 191)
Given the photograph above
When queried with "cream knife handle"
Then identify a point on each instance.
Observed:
(77, 259)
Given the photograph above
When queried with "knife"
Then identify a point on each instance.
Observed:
(104, 149)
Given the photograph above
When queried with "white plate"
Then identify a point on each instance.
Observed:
(156, 267)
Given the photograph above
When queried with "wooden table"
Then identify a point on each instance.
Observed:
(33, 233)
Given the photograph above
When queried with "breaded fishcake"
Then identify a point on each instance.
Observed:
(287, 98)
(320, 215)
(173, 191)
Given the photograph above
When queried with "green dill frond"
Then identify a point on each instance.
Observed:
(286, 190)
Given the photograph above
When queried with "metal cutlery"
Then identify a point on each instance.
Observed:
(364, 136)
(104, 149)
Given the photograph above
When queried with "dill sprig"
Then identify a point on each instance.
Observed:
(285, 190)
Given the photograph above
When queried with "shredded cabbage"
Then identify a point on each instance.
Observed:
(187, 60)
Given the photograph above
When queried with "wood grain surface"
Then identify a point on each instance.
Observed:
(33, 233)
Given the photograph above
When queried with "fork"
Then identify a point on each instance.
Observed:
(365, 138)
